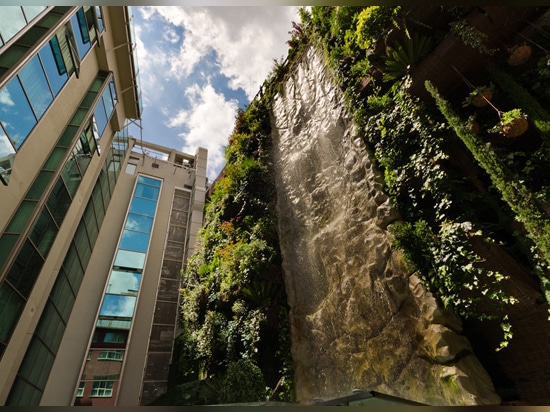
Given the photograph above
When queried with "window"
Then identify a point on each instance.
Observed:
(128, 259)
(11, 305)
(114, 337)
(137, 241)
(36, 86)
(130, 168)
(17, 116)
(80, 390)
(123, 282)
(115, 355)
(11, 22)
(119, 306)
(102, 389)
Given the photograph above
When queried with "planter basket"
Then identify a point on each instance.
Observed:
(480, 99)
(520, 55)
(516, 127)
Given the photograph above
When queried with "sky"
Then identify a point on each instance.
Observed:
(198, 65)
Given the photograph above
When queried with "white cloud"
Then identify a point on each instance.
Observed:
(5, 97)
(209, 123)
(246, 40)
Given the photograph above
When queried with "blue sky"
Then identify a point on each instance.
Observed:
(198, 65)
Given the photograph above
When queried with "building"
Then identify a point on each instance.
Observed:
(94, 224)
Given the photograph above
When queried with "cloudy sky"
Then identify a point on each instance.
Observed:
(198, 65)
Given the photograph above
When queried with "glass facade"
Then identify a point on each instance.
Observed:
(37, 221)
(103, 365)
(31, 378)
(27, 96)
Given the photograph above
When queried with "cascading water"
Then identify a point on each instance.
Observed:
(359, 319)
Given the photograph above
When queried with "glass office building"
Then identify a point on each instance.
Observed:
(95, 225)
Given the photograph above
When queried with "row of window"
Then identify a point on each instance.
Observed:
(100, 389)
(35, 368)
(14, 18)
(24, 100)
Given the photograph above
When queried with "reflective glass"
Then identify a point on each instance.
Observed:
(143, 206)
(25, 269)
(91, 223)
(6, 148)
(32, 11)
(71, 175)
(7, 242)
(98, 203)
(15, 112)
(73, 268)
(21, 217)
(99, 17)
(100, 117)
(123, 282)
(11, 22)
(82, 47)
(127, 259)
(50, 327)
(11, 305)
(137, 241)
(39, 185)
(146, 191)
(139, 223)
(23, 393)
(35, 84)
(59, 201)
(149, 181)
(108, 102)
(37, 363)
(56, 77)
(82, 243)
(43, 232)
(62, 296)
(118, 305)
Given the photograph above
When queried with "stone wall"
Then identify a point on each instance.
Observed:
(359, 318)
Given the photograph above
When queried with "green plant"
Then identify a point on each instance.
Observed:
(507, 119)
(471, 36)
(243, 382)
(405, 55)
(373, 23)
(480, 95)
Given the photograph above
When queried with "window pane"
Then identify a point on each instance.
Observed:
(71, 175)
(6, 148)
(11, 305)
(98, 203)
(17, 116)
(11, 22)
(118, 306)
(66, 140)
(37, 363)
(35, 84)
(43, 232)
(25, 269)
(23, 393)
(59, 201)
(50, 327)
(124, 283)
(127, 259)
(21, 217)
(55, 159)
(82, 244)
(100, 117)
(115, 337)
(91, 224)
(56, 77)
(39, 185)
(81, 45)
(72, 268)
(149, 181)
(143, 206)
(138, 241)
(146, 191)
(7, 242)
(32, 11)
(102, 389)
(139, 223)
(108, 101)
(62, 296)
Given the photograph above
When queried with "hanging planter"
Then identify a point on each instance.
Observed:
(480, 96)
(473, 125)
(519, 55)
(512, 123)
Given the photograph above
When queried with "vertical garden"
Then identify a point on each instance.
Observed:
(465, 163)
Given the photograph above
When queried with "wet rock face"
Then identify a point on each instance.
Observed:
(359, 319)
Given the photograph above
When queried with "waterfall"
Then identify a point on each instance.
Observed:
(359, 318)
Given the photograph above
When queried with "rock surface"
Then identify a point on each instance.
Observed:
(359, 318)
